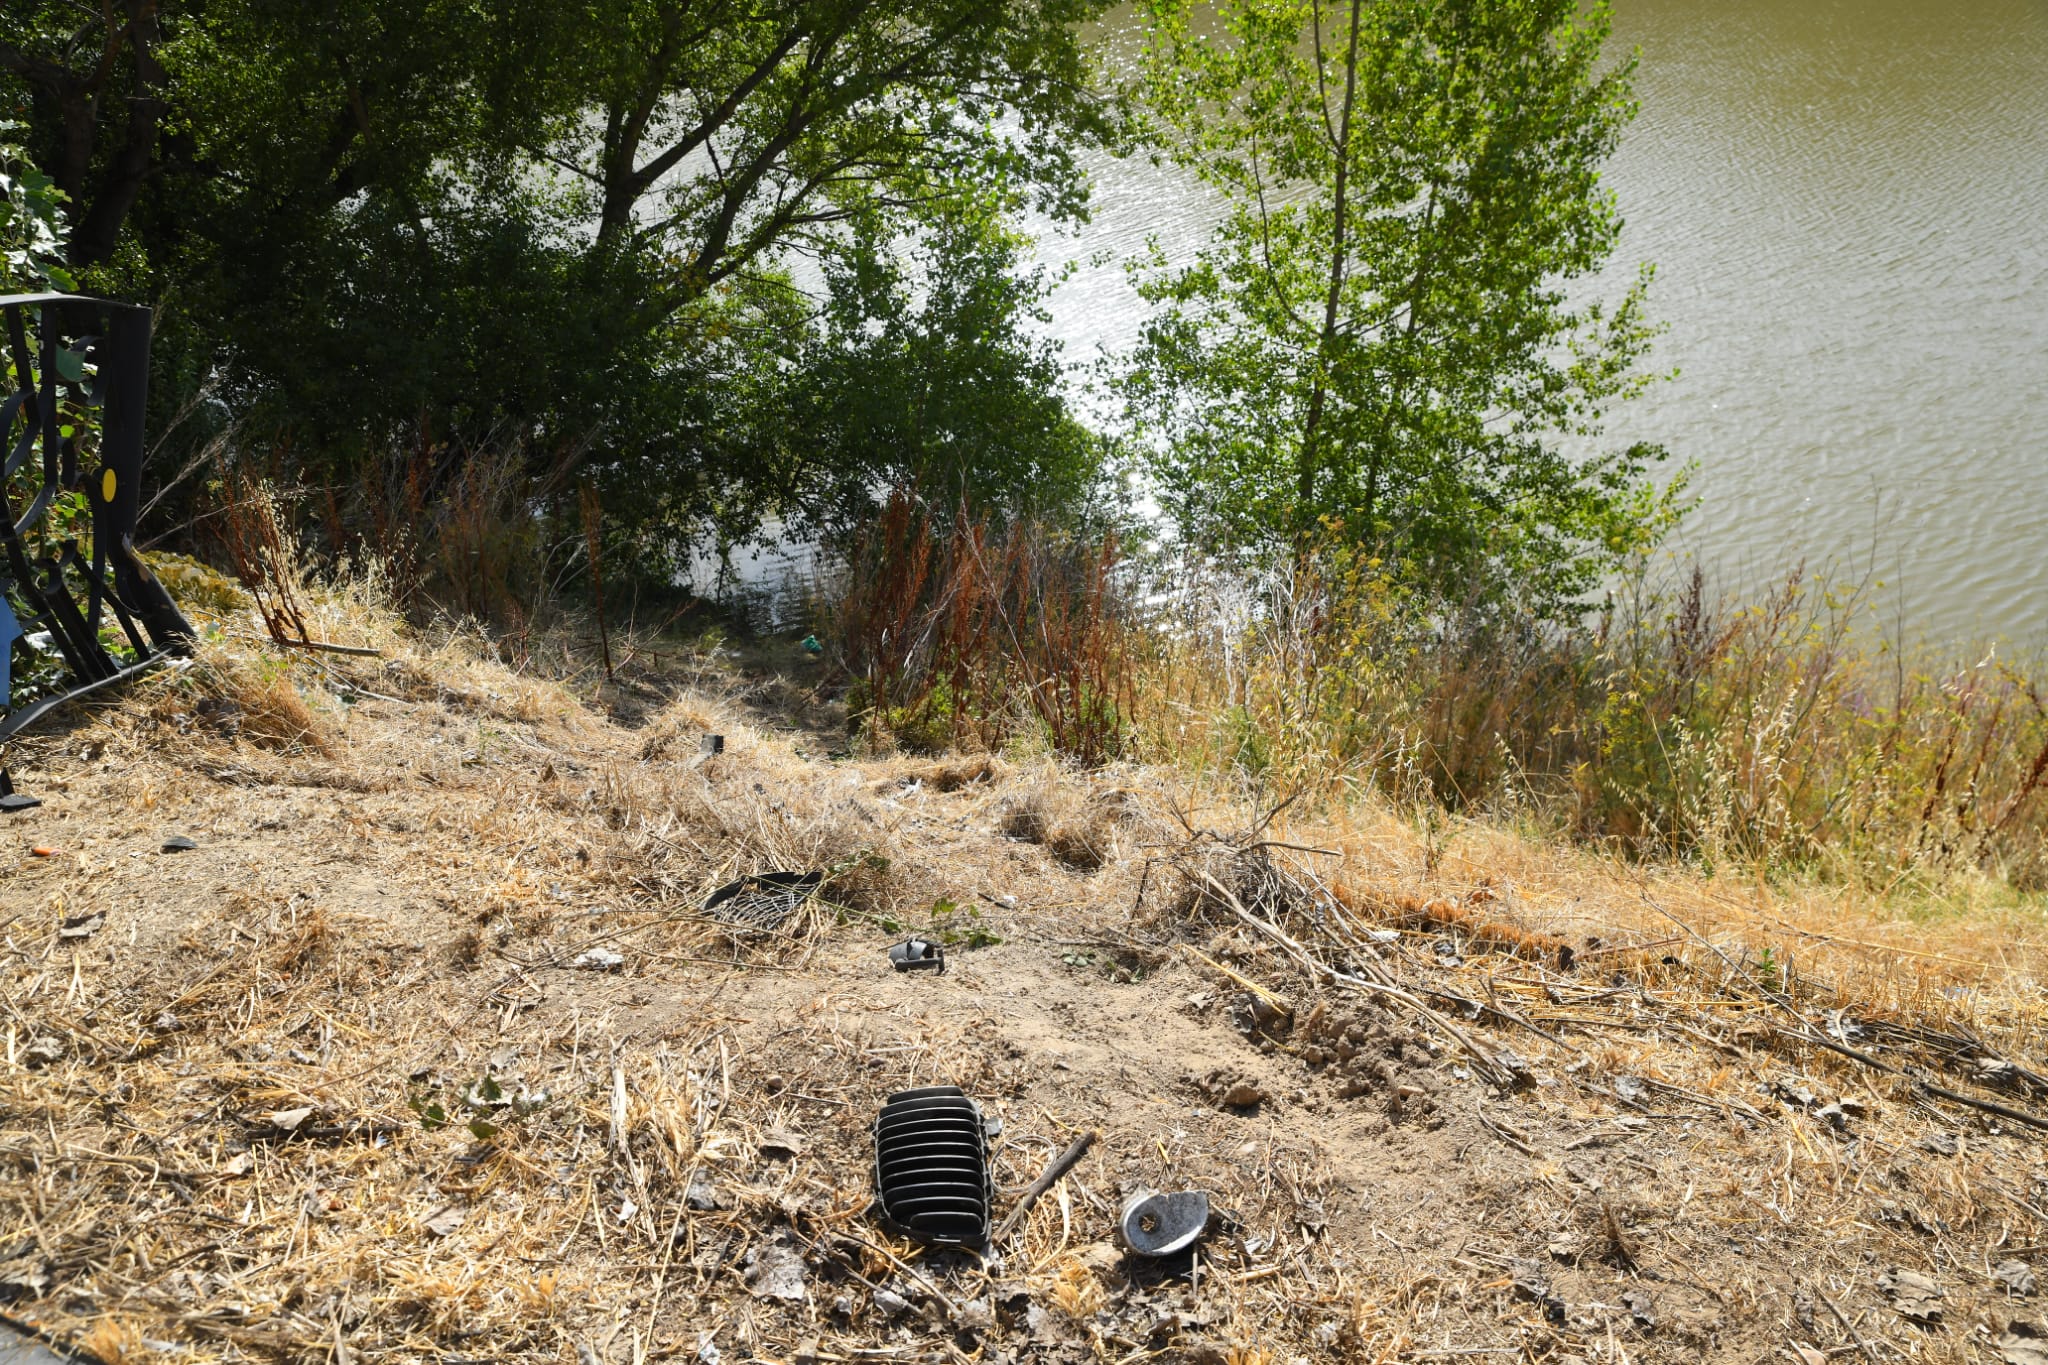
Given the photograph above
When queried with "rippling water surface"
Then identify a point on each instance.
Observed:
(1847, 204)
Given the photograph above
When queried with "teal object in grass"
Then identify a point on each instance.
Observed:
(809, 645)
(10, 631)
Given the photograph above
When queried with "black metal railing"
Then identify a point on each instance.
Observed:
(74, 619)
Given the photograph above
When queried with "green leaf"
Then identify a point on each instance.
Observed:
(482, 1130)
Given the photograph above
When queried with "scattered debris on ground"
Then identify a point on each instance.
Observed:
(432, 1042)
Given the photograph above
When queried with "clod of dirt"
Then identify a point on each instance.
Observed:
(1231, 1090)
(1258, 1016)
(1914, 1295)
(1941, 1144)
(2016, 1276)
(1642, 1309)
(702, 1196)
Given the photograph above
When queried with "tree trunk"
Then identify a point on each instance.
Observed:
(94, 238)
(1311, 435)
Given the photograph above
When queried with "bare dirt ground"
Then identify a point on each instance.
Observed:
(427, 1051)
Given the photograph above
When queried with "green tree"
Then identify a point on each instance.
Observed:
(432, 226)
(31, 223)
(1383, 333)
(925, 372)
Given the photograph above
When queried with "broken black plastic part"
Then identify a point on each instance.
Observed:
(714, 744)
(931, 1166)
(762, 900)
(918, 955)
(12, 800)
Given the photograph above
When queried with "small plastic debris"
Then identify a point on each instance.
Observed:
(597, 960)
(43, 851)
(712, 745)
(42, 1052)
(1630, 1089)
(918, 955)
(1641, 1307)
(178, 843)
(2016, 1276)
(1162, 1224)
(82, 926)
(889, 1303)
(809, 645)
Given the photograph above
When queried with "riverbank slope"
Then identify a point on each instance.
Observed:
(428, 1050)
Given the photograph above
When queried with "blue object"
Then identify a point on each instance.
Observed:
(809, 645)
(10, 631)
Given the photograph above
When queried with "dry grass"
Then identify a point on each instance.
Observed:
(331, 1088)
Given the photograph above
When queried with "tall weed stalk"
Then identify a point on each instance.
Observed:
(1784, 732)
(959, 634)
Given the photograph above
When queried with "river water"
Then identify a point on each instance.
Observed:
(1847, 203)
